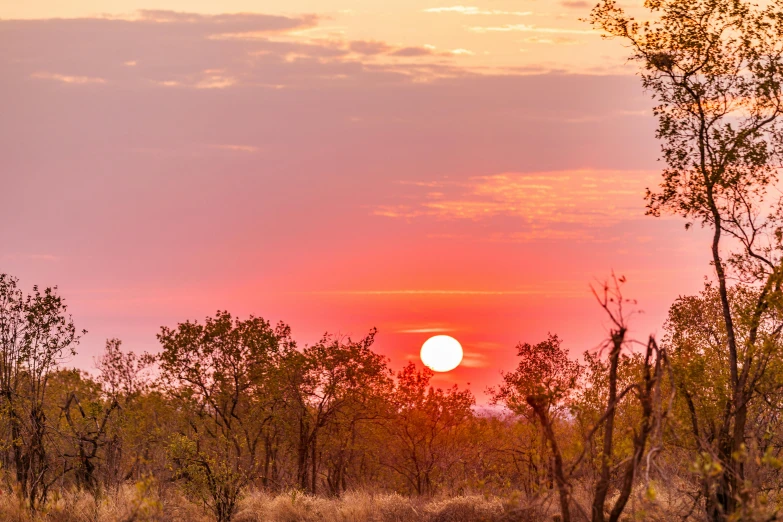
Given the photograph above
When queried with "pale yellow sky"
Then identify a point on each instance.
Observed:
(487, 33)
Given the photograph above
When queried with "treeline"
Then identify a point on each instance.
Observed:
(233, 405)
(230, 405)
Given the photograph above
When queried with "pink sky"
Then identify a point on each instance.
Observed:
(465, 173)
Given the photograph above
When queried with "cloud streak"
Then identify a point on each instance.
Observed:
(470, 10)
(65, 78)
(236, 148)
(523, 28)
(426, 292)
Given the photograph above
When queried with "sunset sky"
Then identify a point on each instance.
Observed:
(419, 167)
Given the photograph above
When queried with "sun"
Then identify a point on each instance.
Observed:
(441, 353)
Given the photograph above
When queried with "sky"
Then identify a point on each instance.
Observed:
(420, 167)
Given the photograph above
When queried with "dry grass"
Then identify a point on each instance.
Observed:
(367, 507)
(145, 502)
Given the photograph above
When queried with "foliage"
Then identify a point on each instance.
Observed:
(715, 69)
(428, 426)
(334, 383)
(35, 334)
(221, 374)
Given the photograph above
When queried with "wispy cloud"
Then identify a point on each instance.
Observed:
(470, 10)
(216, 81)
(426, 330)
(554, 205)
(425, 292)
(523, 28)
(412, 51)
(370, 47)
(556, 40)
(66, 78)
(236, 148)
(576, 4)
(226, 52)
(206, 80)
(227, 23)
(474, 360)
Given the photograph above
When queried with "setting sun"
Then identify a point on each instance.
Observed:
(441, 353)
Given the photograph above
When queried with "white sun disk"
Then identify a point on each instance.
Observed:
(441, 353)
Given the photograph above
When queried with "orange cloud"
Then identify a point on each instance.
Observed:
(545, 201)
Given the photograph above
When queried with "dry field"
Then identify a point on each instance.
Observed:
(143, 503)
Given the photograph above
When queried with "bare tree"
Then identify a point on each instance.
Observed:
(546, 381)
(88, 418)
(647, 392)
(124, 378)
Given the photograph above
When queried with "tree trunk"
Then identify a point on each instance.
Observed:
(602, 487)
(560, 478)
(303, 452)
(314, 463)
(646, 397)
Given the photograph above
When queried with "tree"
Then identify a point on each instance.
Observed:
(425, 428)
(546, 378)
(715, 69)
(36, 332)
(646, 386)
(85, 416)
(543, 380)
(347, 444)
(123, 374)
(332, 382)
(221, 373)
(696, 340)
(125, 382)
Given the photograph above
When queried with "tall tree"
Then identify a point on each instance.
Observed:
(715, 70)
(86, 416)
(36, 333)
